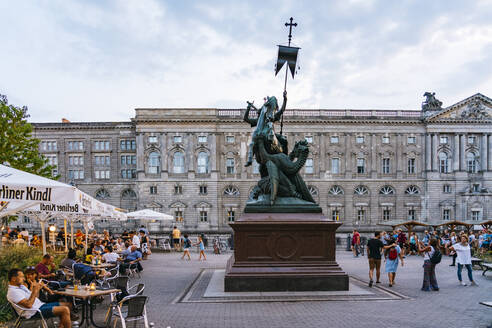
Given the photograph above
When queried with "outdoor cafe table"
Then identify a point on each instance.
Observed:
(102, 266)
(85, 296)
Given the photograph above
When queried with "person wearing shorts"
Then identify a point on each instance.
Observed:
(187, 246)
(20, 295)
(176, 238)
(374, 248)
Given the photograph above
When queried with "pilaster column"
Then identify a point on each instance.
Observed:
(399, 157)
(348, 155)
(374, 159)
(489, 138)
(456, 153)
(140, 152)
(434, 152)
(484, 152)
(428, 152)
(462, 153)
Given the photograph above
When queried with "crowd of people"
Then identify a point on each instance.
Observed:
(394, 247)
(33, 288)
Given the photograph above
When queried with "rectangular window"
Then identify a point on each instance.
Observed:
(123, 174)
(178, 139)
(446, 189)
(75, 174)
(202, 139)
(335, 166)
(230, 139)
(230, 166)
(308, 169)
(386, 215)
(127, 144)
(26, 219)
(203, 216)
(153, 190)
(359, 139)
(309, 139)
(48, 145)
(476, 215)
(75, 160)
(411, 166)
(476, 188)
(178, 190)
(178, 216)
(411, 140)
(334, 139)
(335, 215)
(386, 140)
(361, 215)
(75, 145)
(411, 215)
(386, 166)
(231, 216)
(443, 140)
(361, 165)
(446, 214)
(52, 160)
(203, 190)
(152, 139)
(471, 140)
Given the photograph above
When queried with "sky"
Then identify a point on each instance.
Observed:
(98, 60)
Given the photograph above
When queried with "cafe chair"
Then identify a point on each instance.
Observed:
(20, 320)
(136, 310)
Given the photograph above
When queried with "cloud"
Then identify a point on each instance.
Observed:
(97, 61)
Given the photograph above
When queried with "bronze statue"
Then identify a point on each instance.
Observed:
(279, 170)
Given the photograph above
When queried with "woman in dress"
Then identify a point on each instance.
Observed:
(392, 254)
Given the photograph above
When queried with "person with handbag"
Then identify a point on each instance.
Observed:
(431, 259)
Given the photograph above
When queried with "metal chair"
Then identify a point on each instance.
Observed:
(107, 281)
(121, 283)
(136, 310)
(19, 311)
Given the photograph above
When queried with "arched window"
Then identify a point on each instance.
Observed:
(336, 191)
(313, 190)
(387, 190)
(412, 190)
(202, 162)
(178, 162)
(443, 162)
(154, 166)
(471, 163)
(361, 190)
(128, 200)
(128, 194)
(231, 191)
(102, 194)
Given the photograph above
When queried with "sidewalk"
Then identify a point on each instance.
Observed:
(167, 278)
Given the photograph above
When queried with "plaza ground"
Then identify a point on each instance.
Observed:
(167, 279)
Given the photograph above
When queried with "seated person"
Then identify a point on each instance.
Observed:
(69, 261)
(19, 241)
(109, 255)
(79, 243)
(132, 256)
(35, 241)
(46, 268)
(48, 295)
(20, 295)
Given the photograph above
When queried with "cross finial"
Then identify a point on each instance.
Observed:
(290, 28)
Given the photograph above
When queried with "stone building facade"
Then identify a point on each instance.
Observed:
(366, 167)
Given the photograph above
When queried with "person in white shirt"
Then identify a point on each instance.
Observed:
(463, 252)
(136, 240)
(19, 294)
(109, 256)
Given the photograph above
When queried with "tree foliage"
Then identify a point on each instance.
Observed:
(18, 148)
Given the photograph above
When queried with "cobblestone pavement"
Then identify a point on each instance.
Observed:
(167, 278)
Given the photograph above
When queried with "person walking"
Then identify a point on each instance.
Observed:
(463, 252)
(356, 243)
(187, 246)
(430, 280)
(374, 249)
(393, 252)
(202, 248)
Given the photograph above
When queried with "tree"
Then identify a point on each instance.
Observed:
(18, 149)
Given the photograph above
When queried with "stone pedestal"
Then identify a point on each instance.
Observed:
(284, 252)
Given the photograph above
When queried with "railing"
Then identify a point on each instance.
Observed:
(327, 113)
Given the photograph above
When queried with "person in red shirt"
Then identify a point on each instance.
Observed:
(356, 243)
(46, 268)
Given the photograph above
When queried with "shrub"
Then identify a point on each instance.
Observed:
(16, 257)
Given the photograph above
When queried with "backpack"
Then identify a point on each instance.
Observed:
(393, 254)
(436, 257)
